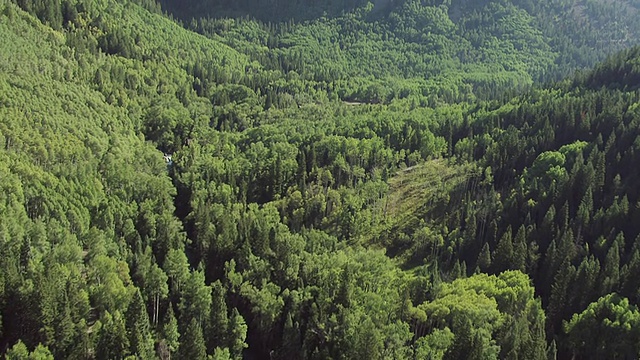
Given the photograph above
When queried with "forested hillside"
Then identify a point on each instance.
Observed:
(383, 181)
(453, 47)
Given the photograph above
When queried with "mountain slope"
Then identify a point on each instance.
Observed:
(490, 46)
(95, 263)
(291, 224)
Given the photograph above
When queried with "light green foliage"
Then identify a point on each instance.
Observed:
(435, 344)
(19, 351)
(237, 334)
(486, 306)
(170, 330)
(110, 284)
(177, 268)
(324, 177)
(158, 289)
(221, 354)
(195, 302)
(606, 328)
(547, 162)
(41, 353)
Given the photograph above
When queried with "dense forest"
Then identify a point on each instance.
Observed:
(402, 179)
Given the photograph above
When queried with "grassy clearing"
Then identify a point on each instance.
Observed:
(419, 199)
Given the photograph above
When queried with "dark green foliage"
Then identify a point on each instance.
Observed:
(140, 339)
(113, 342)
(484, 259)
(192, 344)
(218, 324)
